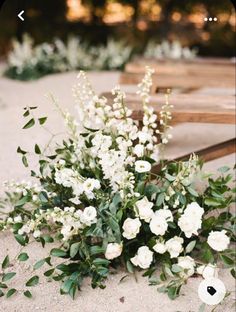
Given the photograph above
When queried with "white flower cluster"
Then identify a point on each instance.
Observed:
(115, 143)
(70, 221)
(168, 50)
(71, 55)
(71, 178)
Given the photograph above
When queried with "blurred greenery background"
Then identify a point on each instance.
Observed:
(131, 20)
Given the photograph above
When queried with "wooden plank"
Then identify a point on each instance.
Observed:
(187, 108)
(207, 154)
(171, 81)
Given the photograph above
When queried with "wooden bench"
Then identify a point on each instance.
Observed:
(185, 76)
(188, 108)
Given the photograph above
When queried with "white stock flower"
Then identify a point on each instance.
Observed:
(218, 240)
(113, 250)
(158, 225)
(174, 246)
(89, 216)
(208, 271)
(191, 220)
(187, 264)
(142, 166)
(139, 150)
(89, 186)
(131, 228)
(144, 209)
(143, 258)
(160, 247)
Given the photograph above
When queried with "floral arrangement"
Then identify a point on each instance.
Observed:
(101, 197)
(28, 62)
(169, 50)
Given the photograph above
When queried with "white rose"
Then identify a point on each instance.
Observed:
(142, 166)
(158, 225)
(89, 216)
(139, 150)
(165, 213)
(218, 240)
(144, 209)
(160, 247)
(131, 228)
(113, 250)
(191, 220)
(187, 264)
(174, 246)
(208, 271)
(143, 258)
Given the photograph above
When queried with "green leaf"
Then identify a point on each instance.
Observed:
(23, 256)
(95, 250)
(37, 149)
(176, 268)
(27, 294)
(190, 246)
(39, 264)
(43, 197)
(129, 267)
(20, 239)
(20, 151)
(202, 307)
(26, 113)
(3, 285)
(228, 261)
(22, 201)
(6, 262)
(1, 293)
(233, 273)
(11, 292)
(101, 261)
(29, 124)
(223, 169)
(160, 199)
(33, 281)
(8, 276)
(192, 191)
(74, 248)
(49, 272)
(212, 202)
(172, 292)
(25, 162)
(42, 120)
(66, 286)
(170, 177)
(58, 253)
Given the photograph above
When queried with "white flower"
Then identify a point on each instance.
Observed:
(113, 250)
(158, 225)
(131, 228)
(160, 247)
(89, 216)
(144, 209)
(36, 233)
(143, 258)
(218, 240)
(174, 246)
(191, 220)
(142, 166)
(208, 271)
(139, 150)
(165, 213)
(89, 186)
(187, 264)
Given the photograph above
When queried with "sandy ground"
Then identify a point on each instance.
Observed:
(123, 297)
